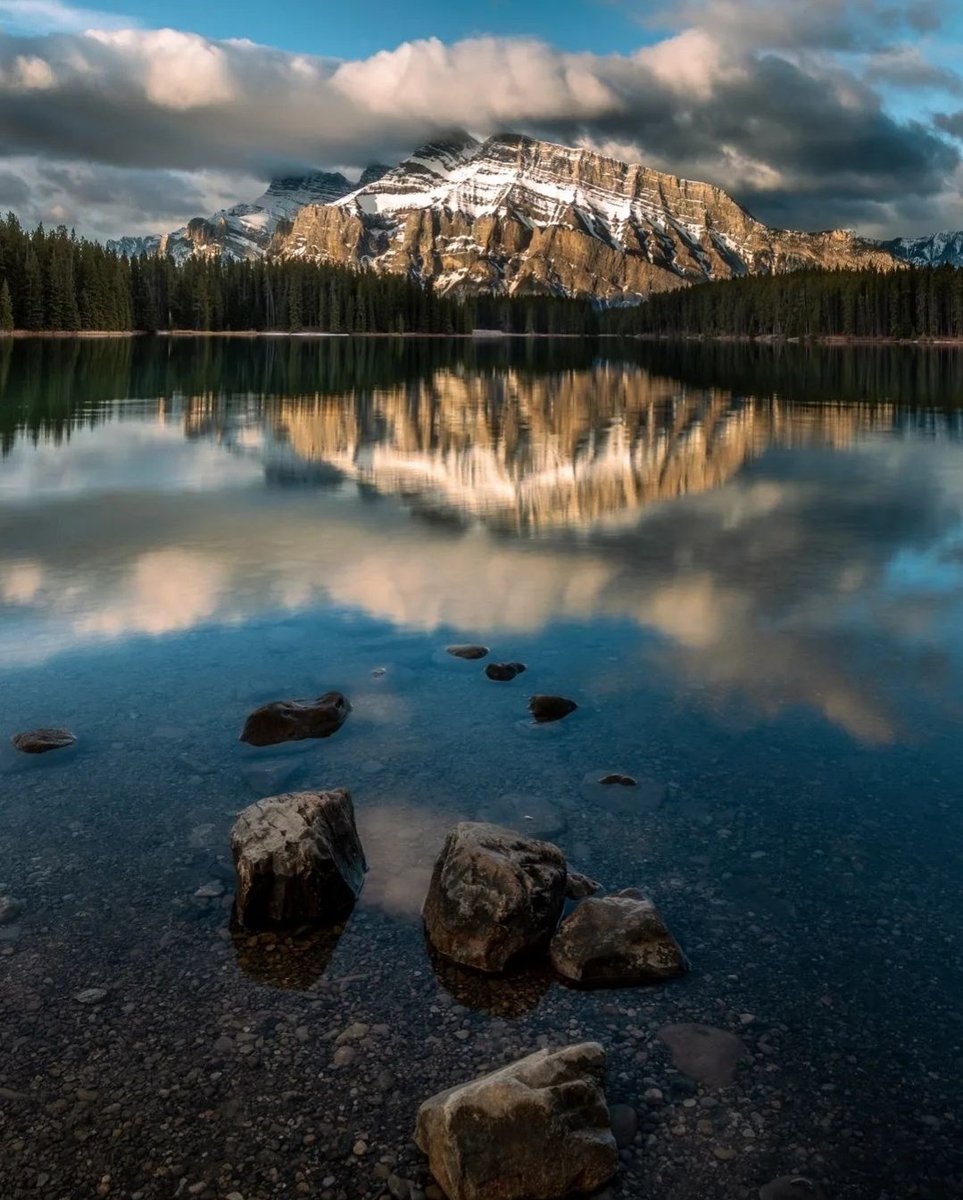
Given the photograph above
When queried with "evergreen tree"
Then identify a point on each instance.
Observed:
(6, 308)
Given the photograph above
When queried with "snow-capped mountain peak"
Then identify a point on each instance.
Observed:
(943, 249)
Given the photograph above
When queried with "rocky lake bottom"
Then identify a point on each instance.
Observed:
(757, 609)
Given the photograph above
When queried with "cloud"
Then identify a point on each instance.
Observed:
(951, 123)
(52, 16)
(783, 104)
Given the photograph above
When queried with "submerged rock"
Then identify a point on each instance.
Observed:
(298, 859)
(467, 651)
(295, 720)
(504, 672)
(706, 1054)
(578, 886)
(791, 1187)
(625, 1124)
(537, 1129)
(495, 896)
(10, 909)
(614, 779)
(550, 708)
(616, 939)
(41, 741)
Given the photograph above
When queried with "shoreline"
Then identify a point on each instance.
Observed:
(485, 335)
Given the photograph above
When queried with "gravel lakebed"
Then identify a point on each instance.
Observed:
(150, 1052)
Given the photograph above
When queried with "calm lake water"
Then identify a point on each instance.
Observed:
(745, 564)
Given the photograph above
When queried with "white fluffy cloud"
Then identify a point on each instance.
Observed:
(780, 102)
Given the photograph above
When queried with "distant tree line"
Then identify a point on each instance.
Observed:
(913, 303)
(52, 280)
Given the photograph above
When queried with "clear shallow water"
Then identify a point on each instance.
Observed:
(745, 564)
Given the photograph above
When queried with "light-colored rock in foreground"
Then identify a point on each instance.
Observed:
(42, 741)
(706, 1054)
(616, 939)
(298, 859)
(495, 896)
(537, 1129)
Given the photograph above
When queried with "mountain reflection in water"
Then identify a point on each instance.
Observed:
(503, 487)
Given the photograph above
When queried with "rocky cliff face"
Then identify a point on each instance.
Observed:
(513, 214)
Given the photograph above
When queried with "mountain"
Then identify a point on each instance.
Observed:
(245, 230)
(936, 250)
(136, 247)
(514, 214)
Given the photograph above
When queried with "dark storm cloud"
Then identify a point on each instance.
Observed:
(766, 100)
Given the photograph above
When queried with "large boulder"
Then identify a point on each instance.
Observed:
(537, 1129)
(42, 741)
(618, 939)
(495, 896)
(295, 720)
(298, 859)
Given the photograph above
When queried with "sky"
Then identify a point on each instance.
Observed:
(134, 116)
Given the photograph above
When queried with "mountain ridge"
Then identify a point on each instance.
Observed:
(512, 214)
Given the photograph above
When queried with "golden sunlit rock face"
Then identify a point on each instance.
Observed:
(516, 215)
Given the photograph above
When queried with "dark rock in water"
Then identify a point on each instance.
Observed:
(295, 720)
(495, 896)
(578, 886)
(791, 1187)
(41, 741)
(625, 1124)
(619, 793)
(467, 651)
(618, 939)
(537, 1129)
(504, 672)
(706, 1054)
(550, 708)
(298, 859)
(10, 909)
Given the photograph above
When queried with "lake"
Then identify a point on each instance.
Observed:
(744, 563)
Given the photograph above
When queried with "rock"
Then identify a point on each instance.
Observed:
(10, 909)
(504, 672)
(92, 995)
(578, 886)
(616, 939)
(210, 891)
(537, 1129)
(41, 741)
(791, 1187)
(295, 720)
(495, 896)
(625, 1124)
(708, 1055)
(620, 794)
(297, 858)
(467, 651)
(550, 708)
